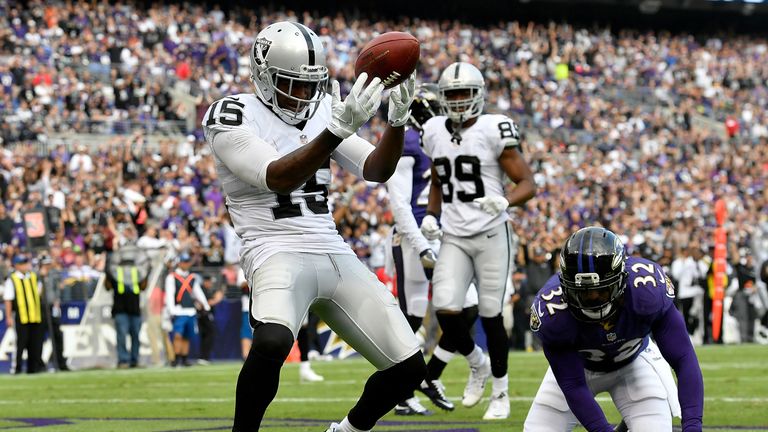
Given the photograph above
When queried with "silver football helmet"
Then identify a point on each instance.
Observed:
(289, 52)
(462, 76)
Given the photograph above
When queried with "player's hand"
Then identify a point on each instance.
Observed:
(400, 101)
(428, 258)
(430, 228)
(360, 105)
(9, 323)
(492, 205)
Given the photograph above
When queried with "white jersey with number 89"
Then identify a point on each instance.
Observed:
(468, 168)
(246, 134)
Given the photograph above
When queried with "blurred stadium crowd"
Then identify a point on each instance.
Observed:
(639, 131)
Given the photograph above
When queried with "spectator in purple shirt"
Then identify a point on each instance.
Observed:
(595, 319)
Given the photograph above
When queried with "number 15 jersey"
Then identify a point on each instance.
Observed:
(245, 137)
(468, 168)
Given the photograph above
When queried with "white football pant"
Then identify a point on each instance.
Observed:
(485, 257)
(643, 391)
(412, 282)
(344, 293)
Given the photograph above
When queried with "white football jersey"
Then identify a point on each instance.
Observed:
(245, 136)
(468, 169)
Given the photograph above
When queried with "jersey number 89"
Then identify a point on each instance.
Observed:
(467, 170)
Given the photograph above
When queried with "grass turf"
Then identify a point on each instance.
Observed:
(201, 398)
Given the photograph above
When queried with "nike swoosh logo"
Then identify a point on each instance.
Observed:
(492, 235)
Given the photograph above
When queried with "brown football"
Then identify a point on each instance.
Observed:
(391, 56)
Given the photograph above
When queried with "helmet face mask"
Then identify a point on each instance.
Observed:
(462, 92)
(425, 104)
(592, 273)
(285, 57)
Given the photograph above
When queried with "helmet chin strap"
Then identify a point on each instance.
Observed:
(599, 314)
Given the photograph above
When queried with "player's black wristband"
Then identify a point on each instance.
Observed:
(435, 215)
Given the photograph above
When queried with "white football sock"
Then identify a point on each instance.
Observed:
(443, 355)
(500, 385)
(476, 358)
(345, 426)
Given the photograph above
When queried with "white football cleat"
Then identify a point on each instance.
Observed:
(306, 374)
(412, 406)
(498, 409)
(334, 427)
(475, 388)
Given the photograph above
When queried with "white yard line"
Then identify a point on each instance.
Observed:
(300, 400)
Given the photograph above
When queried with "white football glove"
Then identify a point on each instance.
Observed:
(400, 101)
(430, 228)
(492, 205)
(359, 106)
(428, 258)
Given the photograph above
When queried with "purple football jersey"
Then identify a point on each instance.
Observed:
(421, 173)
(606, 347)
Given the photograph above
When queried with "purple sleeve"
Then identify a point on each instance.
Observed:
(568, 368)
(675, 345)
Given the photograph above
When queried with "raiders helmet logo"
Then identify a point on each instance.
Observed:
(535, 321)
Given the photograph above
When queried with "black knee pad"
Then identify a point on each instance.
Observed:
(272, 341)
(470, 315)
(457, 332)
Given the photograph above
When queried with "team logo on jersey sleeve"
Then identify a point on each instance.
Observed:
(670, 287)
(535, 322)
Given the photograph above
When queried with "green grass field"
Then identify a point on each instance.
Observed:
(201, 398)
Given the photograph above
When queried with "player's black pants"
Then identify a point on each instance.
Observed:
(207, 333)
(53, 326)
(29, 337)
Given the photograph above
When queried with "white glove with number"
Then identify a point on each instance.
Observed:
(359, 106)
(428, 258)
(400, 100)
(430, 228)
(492, 205)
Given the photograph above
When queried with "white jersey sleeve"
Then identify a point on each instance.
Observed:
(199, 294)
(506, 133)
(9, 290)
(400, 188)
(352, 153)
(234, 138)
(429, 145)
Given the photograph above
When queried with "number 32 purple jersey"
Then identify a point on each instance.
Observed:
(605, 347)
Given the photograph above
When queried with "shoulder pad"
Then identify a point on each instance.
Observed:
(650, 288)
(550, 318)
(227, 113)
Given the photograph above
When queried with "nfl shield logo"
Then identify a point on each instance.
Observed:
(303, 139)
(611, 337)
